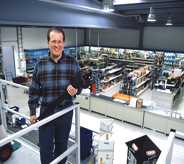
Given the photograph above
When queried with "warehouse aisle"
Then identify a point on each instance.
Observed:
(122, 133)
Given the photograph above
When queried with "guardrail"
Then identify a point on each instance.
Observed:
(166, 155)
(8, 139)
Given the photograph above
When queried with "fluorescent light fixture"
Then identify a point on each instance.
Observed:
(107, 5)
(169, 23)
(123, 2)
(151, 16)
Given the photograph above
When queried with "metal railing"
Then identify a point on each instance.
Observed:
(166, 155)
(20, 133)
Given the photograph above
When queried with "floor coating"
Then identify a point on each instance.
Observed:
(122, 132)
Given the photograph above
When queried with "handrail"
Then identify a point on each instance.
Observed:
(166, 155)
(14, 84)
(17, 113)
(20, 133)
(34, 126)
(44, 121)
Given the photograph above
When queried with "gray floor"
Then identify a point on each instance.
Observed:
(122, 132)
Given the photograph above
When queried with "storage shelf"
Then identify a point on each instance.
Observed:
(121, 60)
(171, 85)
(141, 84)
(139, 93)
(144, 62)
(114, 70)
(103, 81)
(143, 75)
(130, 66)
(105, 90)
(142, 59)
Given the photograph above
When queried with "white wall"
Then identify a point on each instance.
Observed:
(164, 38)
(36, 38)
(115, 37)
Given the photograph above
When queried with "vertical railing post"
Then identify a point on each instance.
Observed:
(166, 155)
(169, 156)
(77, 130)
(2, 112)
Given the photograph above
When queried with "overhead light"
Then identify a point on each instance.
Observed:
(169, 23)
(107, 5)
(151, 16)
(123, 2)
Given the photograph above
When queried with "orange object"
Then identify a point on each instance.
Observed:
(94, 88)
(26, 79)
(122, 96)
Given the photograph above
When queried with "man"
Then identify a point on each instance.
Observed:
(52, 76)
(160, 71)
(154, 77)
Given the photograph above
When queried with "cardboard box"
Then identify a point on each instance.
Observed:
(139, 103)
(139, 72)
(143, 71)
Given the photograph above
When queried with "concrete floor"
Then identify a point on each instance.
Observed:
(122, 132)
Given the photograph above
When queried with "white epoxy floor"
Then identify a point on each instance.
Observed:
(122, 132)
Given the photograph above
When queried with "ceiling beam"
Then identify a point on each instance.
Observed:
(147, 6)
(179, 11)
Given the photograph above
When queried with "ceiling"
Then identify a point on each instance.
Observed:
(138, 10)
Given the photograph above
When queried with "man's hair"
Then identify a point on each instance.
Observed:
(57, 29)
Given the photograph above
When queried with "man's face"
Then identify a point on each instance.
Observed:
(56, 43)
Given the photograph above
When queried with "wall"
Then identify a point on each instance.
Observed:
(115, 37)
(36, 38)
(164, 38)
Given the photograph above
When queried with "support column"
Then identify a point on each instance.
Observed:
(141, 33)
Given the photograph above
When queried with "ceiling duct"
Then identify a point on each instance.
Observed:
(151, 16)
(107, 5)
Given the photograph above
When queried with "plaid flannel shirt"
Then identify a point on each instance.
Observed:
(51, 79)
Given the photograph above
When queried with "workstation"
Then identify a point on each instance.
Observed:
(119, 51)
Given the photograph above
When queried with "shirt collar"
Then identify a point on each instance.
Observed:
(62, 57)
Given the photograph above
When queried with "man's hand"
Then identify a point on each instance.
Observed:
(33, 119)
(71, 90)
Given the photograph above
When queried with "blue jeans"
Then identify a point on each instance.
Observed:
(57, 130)
(154, 81)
